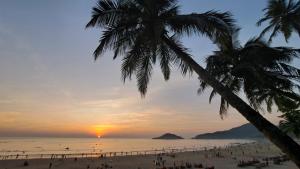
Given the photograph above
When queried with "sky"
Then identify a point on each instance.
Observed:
(51, 86)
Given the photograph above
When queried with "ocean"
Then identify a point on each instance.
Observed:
(13, 146)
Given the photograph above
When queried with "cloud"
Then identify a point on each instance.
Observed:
(9, 118)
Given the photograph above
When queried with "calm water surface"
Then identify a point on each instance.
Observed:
(86, 145)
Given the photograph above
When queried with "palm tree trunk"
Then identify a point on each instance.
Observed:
(280, 139)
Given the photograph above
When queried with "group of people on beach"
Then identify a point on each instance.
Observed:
(160, 163)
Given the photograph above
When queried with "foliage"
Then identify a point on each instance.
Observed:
(262, 72)
(283, 16)
(144, 31)
(290, 122)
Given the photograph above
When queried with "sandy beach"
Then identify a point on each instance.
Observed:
(218, 158)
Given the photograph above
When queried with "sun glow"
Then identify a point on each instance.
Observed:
(100, 130)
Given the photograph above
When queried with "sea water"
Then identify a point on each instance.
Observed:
(11, 146)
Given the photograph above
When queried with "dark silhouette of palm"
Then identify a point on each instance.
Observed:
(291, 122)
(262, 72)
(146, 31)
(291, 116)
(283, 16)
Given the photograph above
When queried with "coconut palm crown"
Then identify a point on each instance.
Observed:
(263, 73)
(283, 17)
(144, 31)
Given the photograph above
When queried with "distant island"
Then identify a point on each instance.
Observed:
(246, 131)
(168, 136)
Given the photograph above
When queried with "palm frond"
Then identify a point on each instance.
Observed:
(109, 36)
(180, 51)
(283, 17)
(165, 60)
(265, 30)
(212, 94)
(274, 33)
(130, 63)
(290, 71)
(143, 74)
(213, 24)
(105, 13)
(259, 22)
(223, 107)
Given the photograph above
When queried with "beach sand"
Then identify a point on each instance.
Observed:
(220, 158)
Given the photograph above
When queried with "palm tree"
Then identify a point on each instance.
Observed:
(144, 31)
(262, 72)
(291, 116)
(291, 122)
(283, 16)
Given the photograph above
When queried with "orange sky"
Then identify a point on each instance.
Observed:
(122, 113)
(51, 86)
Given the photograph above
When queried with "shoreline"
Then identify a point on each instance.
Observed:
(106, 154)
(221, 158)
(22, 155)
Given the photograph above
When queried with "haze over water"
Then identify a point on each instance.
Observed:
(10, 146)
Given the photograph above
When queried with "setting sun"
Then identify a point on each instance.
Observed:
(100, 130)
